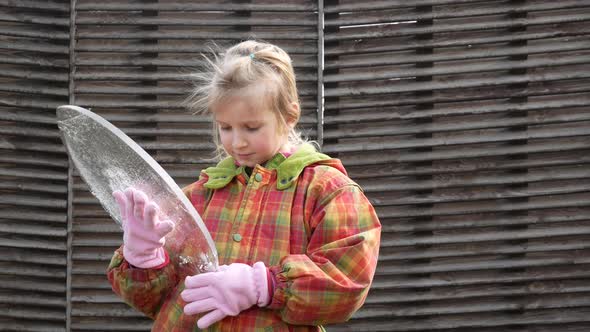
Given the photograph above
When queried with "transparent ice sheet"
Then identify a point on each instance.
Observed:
(109, 160)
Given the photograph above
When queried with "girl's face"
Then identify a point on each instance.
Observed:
(251, 135)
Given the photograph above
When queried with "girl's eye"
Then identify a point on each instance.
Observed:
(253, 128)
(224, 128)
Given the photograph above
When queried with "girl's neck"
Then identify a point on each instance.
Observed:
(287, 149)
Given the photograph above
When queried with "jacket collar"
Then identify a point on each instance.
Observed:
(288, 169)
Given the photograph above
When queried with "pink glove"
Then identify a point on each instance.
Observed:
(143, 230)
(227, 292)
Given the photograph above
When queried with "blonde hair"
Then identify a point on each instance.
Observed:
(246, 69)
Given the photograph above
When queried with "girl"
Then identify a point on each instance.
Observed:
(297, 238)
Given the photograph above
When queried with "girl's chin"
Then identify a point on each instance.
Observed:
(244, 162)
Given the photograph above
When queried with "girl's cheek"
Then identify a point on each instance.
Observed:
(224, 138)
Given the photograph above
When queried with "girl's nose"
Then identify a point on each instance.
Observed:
(239, 141)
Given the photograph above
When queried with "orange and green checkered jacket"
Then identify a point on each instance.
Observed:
(302, 216)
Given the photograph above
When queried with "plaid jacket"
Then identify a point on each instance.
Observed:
(302, 216)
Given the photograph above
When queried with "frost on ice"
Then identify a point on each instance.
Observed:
(109, 160)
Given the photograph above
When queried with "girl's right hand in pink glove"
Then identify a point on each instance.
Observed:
(143, 229)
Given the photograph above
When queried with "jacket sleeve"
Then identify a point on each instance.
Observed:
(331, 281)
(147, 289)
(143, 289)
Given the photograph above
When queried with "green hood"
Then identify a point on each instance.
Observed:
(288, 169)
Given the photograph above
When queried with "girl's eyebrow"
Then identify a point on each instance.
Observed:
(247, 123)
(253, 123)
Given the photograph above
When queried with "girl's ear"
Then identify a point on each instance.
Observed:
(293, 115)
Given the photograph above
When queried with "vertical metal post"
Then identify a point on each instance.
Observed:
(320, 90)
(71, 100)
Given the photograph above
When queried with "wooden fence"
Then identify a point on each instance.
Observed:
(467, 123)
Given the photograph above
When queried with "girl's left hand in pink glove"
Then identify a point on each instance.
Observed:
(227, 292)
(143, 229)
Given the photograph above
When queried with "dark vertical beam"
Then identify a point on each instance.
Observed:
(320, 71)
(69, 227)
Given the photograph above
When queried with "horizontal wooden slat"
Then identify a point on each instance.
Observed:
(29, 213)
(467, 278)
(480, 264)
(178, 47)
(175, 33)
(542, 202)
(102, 253)
(33, 173)
(33, 88)
(32, 74)
(443, 69)
(33, 159)
(380, 4)
(33, 256)
(480, 306)
(476, 321)
(34, 228)
(457, 139)
(456, 11)
(451, 39)
(114, 324)
(18, 269)
(447, 167)
(32, 17)
(34, 60)
(10, 324)
(481, 179)
(31, 298)
(180, 62)
(550, 287)
(458, 249)
(547, 107)
(142, 76)
(32, 4)
(459, 27)
(406, 156)
(221, 20)
(472, 196)
(21, 312)
(413, 86)
(133, 91)
(35, 242)
(110, 310)
(477, 95)
(493, 51)
(26, 31)
(80, 281)
(95, 297)
(487, 235)
(34, 201)
(19, 130)
(545, 116)
(473, 222)
(196, 6)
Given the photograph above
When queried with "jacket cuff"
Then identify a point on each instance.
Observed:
(158, 267)
(137, 274)
(279, 285)
(271, 283)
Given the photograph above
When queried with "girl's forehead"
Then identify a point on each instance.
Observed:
(255, 95)
(241, 111)
(253, 106)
